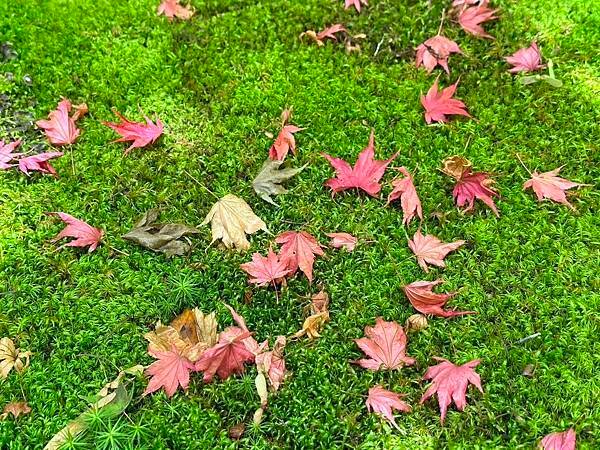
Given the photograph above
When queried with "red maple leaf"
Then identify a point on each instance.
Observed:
(450, 383)
(266, 270)
(549, 185)
(385, 345)
(430, 250)
(471, 18)
(383, 402)
(298, 251)
(141, 134)
(526, 59)
(439, 104)
(39, 163)
(7, 155)
(355, 3)
(365, 174)
(345, 240)
(284, 143)
(172, 9)
(60, 129)
(471, 186)
(564, 440)
(169, 372)
(249, 342)
(409, 200)
(327, 33)
(84, 235)
(424, 300)
(436, 51)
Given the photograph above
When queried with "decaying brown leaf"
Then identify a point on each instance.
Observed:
(165, 238)
(231, 219)
(456, 166)
(12, 357)
(15, 409)
(416, 322)
(237, 431)
(269, 179)
(319, 316)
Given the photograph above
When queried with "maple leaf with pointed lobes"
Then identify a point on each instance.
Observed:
(356, 3)
(450, 383)
(430, 250)
(170, 371)
(327, 33)
(249, 342)
(15, 409)
(382, 402)
(526, 59)
(60, 129)
(436, 51)
(298, 251)
(440, 104)
(140, 134)
(549, 185)
(7, 155)
(172, 9)
(84, 235)
(564, 440)
(39, 163)
(471, 18)
(385, 345)
(365, 174)
(266, 270)
(284, 142)
(404, 189)
(343, 240)
(424, 300)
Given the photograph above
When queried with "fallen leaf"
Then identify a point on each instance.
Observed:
(549, 185)
(526, 59)
(424, 300)
(237, 431)
(170, 371)
(15, 409)
(365, 174)
(269, 179)
(564, 440)
(60, 129)
(7, 155)
(416, 322)
(231, 219)
(471, 18)
(161, 237)
(272, 364)
(343, 240)
(528, 370)
(440, 104)
(450, 383)
(249, 342)
(430, 250)
(385, 345)
(284, 142)
(355, 3)
(298, 251)
(266, 270)
(327, 33)
(409, 199)
(12, 357)
(84, 235)
(319, 316)
(172, 9)
(436, 51)
(383, 402)
(140, 134)
(39, 163)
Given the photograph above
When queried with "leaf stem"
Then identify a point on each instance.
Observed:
(442, 21)
(524, 166)
(201, 184)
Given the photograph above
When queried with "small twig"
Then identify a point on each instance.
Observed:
(117, 250)
(524, 166)
(442, 21)
(201, 184)
(528, 338)
(379, 46)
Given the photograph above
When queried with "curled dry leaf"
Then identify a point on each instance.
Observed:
(138, 133)
(471, 18)
(237, 431)
(39, 163)
(60, 129)
(231, 219)
(15, 409)
(173, 9)
(269, 179)
(440, 104)
(436, 51)
(12, 357)
(424, 300)
(416, 322)
(161, 237)
(319, 316)
(564, 440)
(298, 251)
(404, 189)
(549, 185)
(383, 402)
(430, 250)
(266, 270)
(385, 345)
(527, 59)
(343, 240)
(83, 234)
(272, 364)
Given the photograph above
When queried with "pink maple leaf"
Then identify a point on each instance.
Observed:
(298, 251)
(385, 345)
(343, 240)
(383, 402)
(284, 142)
(436, 51)
(266, 270)
(409, 200)
(471, 18)
(39, 163)
(440, 104)
(84, 235)
(564, 440)
(471, 186)
(141, 134)
(424, 300)
(430, 250)
(60, 129)
(355, 3)
(272, 363)
(549, 185)
(526, 59)
(365, 174)
(327, 33)
(170, 371)
(450, 383)
(250, 343)
(172, 9)
(7, 155)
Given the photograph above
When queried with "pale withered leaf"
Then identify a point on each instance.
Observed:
(269, 179)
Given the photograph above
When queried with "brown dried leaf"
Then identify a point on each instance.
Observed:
(12, 357)
(15, 409)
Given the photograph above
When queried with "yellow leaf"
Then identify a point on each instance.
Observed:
(12, 357)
